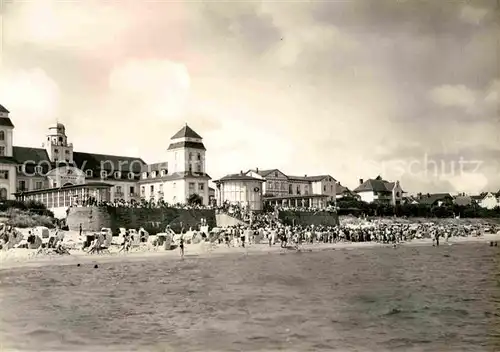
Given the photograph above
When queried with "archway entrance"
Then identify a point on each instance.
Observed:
(3, 194)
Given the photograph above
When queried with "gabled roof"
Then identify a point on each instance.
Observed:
(430, 199)
(375, 185)
(3, 109)
(265, 173)
(319, 178)
(186, 132)
(311, 178)
(342, 189)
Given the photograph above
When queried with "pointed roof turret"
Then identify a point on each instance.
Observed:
(186, 132)
(4, 117)
(3, 109)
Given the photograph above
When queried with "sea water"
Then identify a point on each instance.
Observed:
(443, 298)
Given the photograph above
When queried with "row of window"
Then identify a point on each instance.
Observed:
(282, 186)
(163, 173)
(119, 190)
(56, 151)
(192, 188)
(191, 156)
(22, 185)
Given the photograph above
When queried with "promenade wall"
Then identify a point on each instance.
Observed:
(153, 220)
(309, 218)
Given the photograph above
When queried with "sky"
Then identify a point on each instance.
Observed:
(408, 90)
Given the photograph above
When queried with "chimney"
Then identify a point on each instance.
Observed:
(257, 170)
(241, 172)
(419, 195)
(305, 175)
(360, 181)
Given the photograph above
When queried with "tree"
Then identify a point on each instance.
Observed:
(195, 199)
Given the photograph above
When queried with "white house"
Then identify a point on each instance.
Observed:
(489, 201)
(379, 190)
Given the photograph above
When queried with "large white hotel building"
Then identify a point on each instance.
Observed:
(59, 177)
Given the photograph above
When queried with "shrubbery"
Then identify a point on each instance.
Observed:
(26, 214)
(24, 219)
(30, 206)
(356, 207)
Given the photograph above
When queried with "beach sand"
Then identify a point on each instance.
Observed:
(17, 258)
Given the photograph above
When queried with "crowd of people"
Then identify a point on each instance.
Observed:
(91, 202)
(270, 230)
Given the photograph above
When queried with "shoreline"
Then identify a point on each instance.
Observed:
(206, 250)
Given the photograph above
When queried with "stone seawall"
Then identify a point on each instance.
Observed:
(308, 218)
(153, 220)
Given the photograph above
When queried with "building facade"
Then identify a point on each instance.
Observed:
(182, 175)
(241, 189)
(60, 177)
(380, 191)
(490, 201)
(279, 188)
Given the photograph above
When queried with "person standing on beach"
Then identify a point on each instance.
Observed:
(181, 246)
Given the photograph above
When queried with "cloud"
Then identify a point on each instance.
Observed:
(157, 88)
(473, 15)
(459, 96)
(33, 99)
(469, 182)
(72, 25)
(309, 87)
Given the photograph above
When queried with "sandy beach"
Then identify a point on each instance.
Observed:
(18, 258)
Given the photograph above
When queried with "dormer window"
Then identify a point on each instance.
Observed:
(104, 174)
(163, 173)
(118, 174)
(199, 156)
(275, 174)
(20, 168)
(153, 174)
(131, 175)
(144, 175)
(38, 169)
(56, 150)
